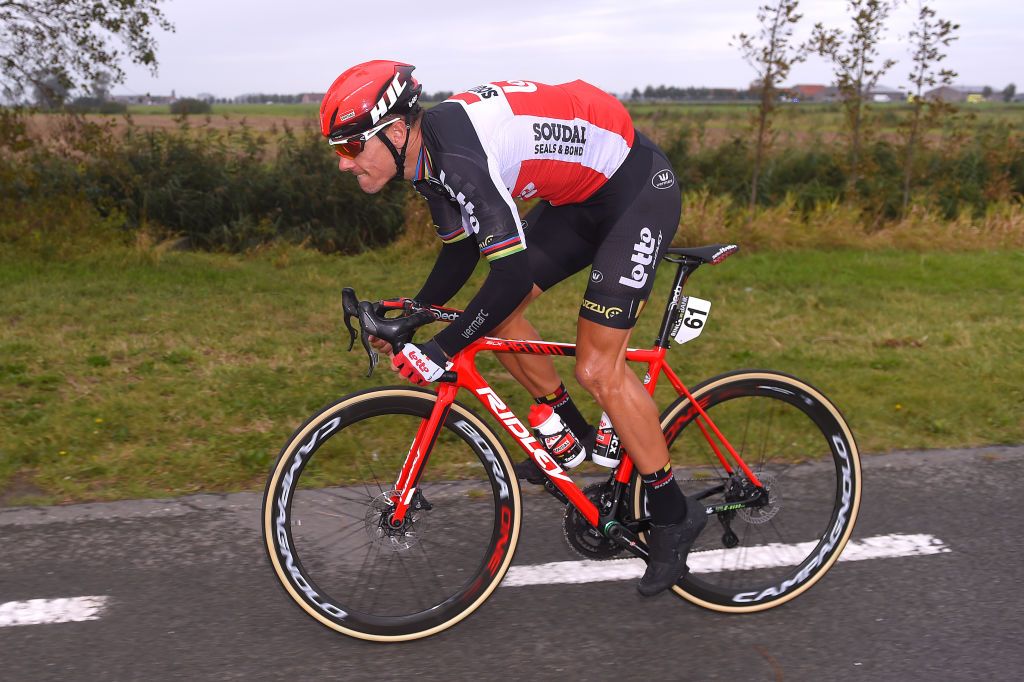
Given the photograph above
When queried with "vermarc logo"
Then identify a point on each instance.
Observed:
(663, 179)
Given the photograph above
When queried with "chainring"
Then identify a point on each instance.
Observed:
(583, 538)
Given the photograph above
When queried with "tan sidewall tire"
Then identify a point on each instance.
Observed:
(302, 435)
(745, 375)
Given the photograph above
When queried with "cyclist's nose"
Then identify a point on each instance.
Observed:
(345, 165)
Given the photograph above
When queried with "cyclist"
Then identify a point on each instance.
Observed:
(608, 200)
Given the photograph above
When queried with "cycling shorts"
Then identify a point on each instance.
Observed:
(621, 231)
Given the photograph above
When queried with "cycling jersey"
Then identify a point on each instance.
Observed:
(517, 139)
(557, 143)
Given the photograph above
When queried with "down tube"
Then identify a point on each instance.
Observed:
(471, 380)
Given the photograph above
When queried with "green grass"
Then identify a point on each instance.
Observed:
(277, 110)
(130, 373)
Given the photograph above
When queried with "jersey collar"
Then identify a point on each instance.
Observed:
(424, 165)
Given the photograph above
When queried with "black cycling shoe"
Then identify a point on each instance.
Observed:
(529, 471)
(669, 546)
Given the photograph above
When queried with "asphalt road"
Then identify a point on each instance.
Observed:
(190, 596)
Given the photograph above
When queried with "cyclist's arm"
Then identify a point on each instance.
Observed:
(490, 215)
(458, 256)
(454, 264)
(507, 284)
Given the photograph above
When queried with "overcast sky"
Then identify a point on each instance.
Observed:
(232, 47)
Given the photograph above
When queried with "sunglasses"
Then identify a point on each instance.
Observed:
(350, 147)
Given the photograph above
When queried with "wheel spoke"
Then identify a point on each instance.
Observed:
(406, 579)
(775, 423)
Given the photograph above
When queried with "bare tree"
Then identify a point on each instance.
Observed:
(61, 44)
(928, 38)
(771, 56)
(855, 63)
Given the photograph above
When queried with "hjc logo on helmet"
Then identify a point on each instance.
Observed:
(388, 99)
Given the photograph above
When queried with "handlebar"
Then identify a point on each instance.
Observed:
(397, 331)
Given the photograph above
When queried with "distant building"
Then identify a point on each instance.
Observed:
(812, 93)
(146, 100)
(957, 93)
(882, 93)
(807, 93)
(830, 93)
(311, 97)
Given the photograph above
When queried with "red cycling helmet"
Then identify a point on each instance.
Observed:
(364, 95)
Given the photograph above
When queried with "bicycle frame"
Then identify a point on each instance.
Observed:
(466, 376)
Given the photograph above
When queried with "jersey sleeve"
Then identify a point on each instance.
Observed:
(470, 177)
(444, 212)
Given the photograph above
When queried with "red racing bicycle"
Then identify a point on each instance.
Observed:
(385, 540)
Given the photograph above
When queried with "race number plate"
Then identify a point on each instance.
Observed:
(694, 316)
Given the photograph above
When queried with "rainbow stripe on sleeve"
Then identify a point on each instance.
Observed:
(456, 235)
(505, 247)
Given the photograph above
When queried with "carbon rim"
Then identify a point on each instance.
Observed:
(794, 438)
(323, 516)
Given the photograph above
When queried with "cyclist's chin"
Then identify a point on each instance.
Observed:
(371, 184)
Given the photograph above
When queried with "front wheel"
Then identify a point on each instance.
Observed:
(327, 505)
(752, 557)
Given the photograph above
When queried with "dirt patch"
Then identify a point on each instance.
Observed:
(20, 489)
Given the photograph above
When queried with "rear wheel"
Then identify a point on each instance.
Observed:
(751, 558)
(328, 499)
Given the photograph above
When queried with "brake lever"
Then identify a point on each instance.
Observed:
(367, 327)
(350, 304)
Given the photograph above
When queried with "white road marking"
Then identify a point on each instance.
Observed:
(42, 611)
(764, 556)
(76, 609)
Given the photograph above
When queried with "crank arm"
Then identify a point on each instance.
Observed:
(624, 537)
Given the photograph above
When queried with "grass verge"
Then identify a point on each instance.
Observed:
(136, 372)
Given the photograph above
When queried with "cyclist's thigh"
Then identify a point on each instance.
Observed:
(641, 207)
(560, 241)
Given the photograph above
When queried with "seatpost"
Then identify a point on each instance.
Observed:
(686, 268)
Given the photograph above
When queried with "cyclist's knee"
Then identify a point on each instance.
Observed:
(600, 375)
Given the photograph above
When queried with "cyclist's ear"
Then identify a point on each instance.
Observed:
(396, 132)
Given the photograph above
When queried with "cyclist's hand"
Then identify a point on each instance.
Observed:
(420, 365)
(381, 346)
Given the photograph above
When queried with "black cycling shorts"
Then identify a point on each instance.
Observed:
(622, 231)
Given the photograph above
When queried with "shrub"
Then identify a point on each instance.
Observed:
(95, 105)
(222, 189)
(187, 105)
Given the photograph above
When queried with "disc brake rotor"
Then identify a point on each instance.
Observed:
(759, 515)
(383, 534)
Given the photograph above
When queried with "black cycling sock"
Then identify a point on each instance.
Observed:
(665, 501)
(562, 403)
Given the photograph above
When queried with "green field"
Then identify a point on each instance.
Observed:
(138, 372)
(276, 110)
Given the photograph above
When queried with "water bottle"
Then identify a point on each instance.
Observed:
(606, 449)
(556, 436)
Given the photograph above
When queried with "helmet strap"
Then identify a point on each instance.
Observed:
(398, 156)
